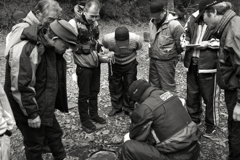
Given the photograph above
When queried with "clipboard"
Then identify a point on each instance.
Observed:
(192, 45)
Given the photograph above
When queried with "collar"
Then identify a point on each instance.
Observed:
(147, 93)
(31, 18)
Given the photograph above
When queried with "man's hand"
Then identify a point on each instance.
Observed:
(236, 112)
(202, 45)
(34, 123)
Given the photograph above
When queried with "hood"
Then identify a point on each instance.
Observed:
(81, 19)
(147, 93)
(31, 19)
(17, 31)
(170, 17)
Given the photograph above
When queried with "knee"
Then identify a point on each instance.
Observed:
(128, 146)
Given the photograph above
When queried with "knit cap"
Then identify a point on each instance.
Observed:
(122, 36)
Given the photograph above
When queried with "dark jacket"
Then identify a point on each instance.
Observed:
(165, 41)
(35, 81)
(88, 34)
(162, 121)
(208, 58)
(228, 74)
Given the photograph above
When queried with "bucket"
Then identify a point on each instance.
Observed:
(103, 155)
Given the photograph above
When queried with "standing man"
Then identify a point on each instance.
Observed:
(87, 61)
(201, 63)
(35, 85)
(165, 32)
(123, 72)
(160, 126)
(45, 12)
(218, 16)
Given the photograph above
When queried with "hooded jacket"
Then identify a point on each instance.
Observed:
(35, 81)
(125, 54)
(88, 34)
(15, 36)
(165, 42)
(162, 121)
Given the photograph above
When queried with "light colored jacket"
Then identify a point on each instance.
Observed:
(125, 54)
(15, 36)
(7, 121)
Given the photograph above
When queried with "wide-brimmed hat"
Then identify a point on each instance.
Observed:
(65, 31)
(203, 5)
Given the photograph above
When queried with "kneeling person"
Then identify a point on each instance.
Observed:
(161, 127)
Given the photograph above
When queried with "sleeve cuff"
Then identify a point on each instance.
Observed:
(238, 96)
(33, 115)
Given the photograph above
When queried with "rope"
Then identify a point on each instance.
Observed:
(112, 61)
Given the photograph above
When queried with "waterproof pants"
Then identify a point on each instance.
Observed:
(120, 78)
(34, 140)
(135, 150)
(162, 74)
(202, 85)
(89, 86)
(233, 126)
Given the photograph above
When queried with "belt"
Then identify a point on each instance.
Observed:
(8, 133)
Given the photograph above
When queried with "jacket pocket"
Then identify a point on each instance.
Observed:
(226, 77)
(165, 43)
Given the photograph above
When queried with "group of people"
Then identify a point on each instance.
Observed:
(162, 126)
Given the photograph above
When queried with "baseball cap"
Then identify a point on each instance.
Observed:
(122, 36)
(155, 8)
(203, 5)
(65, 31)
(137, 88)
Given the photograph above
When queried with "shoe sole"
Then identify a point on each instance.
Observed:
(114, 114)
(209, 135)
(99, 122)
(87, 130)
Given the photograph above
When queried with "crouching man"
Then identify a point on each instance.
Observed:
(161, 127)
